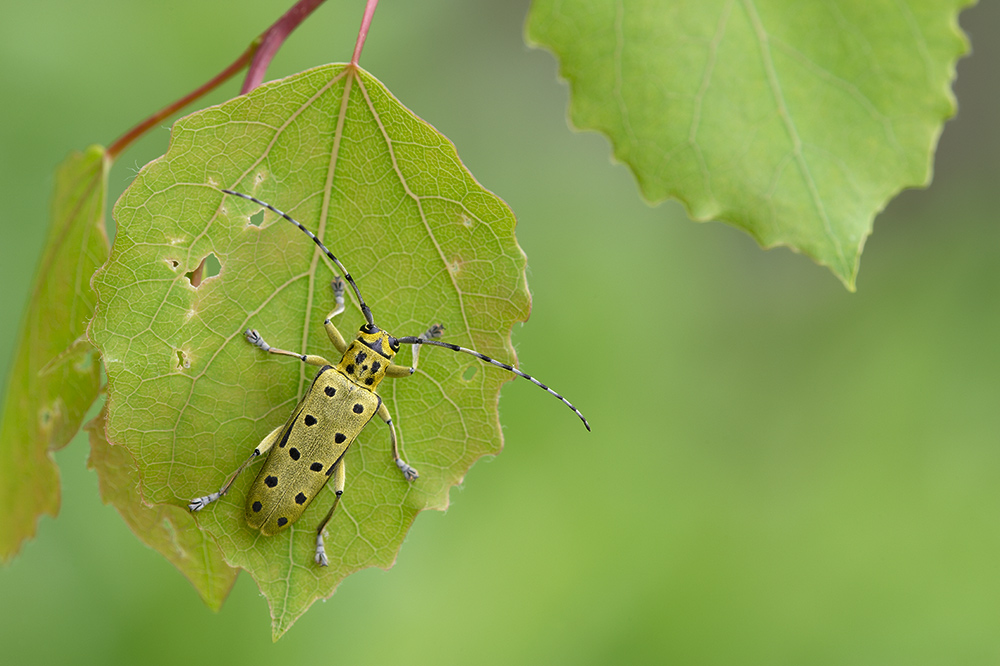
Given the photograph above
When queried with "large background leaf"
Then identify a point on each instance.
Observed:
(796, 122)
(56, 375)
(191, 398)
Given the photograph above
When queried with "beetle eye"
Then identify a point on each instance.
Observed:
(393, 344)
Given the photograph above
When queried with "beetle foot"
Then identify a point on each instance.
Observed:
(337, 284)
(253, 337)
(408, 472)
(321, 552)
(199, 503)
(433, 333)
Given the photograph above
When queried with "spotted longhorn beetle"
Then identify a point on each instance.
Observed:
(337, 406)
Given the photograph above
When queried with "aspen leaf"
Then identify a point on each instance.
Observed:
(190, 398)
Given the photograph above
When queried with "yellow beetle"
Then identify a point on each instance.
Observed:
(339, 403)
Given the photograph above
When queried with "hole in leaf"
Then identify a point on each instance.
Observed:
(183, 362)
(209, 267)
(257, 218)
(196, 276)
(212, 265)
(173, 263)
(470, 372)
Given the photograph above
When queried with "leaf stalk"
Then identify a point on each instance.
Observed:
(272, 40)
(366, 23)
(258, 56)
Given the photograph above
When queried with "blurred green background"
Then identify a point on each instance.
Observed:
(798, 475)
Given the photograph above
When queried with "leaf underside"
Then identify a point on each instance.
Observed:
(190, 398)
(796, 122)
(56, 375)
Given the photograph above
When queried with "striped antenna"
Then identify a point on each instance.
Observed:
(413, 340)
(365, 310)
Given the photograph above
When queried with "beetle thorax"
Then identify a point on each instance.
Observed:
(366, 360)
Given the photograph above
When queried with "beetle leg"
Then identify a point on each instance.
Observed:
(199, 503)
(331, 331)
(339, 475)
(408, 472)
(253, 337)
(395, 371)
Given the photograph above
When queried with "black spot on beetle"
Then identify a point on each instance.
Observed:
(350, 369)
(369, 381)
(339, 438)
(330, 391)
(316, 467)
(310, 420)
(360, 358)
(358, 408)
(364, 368)
(271, 481)
(294, 453)
(376, 366)
(282, 521)
(300, 499)
(257, 506)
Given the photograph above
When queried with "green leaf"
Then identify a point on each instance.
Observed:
(190, 397)
(55, 376)
(794, 121)
(170, 530)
